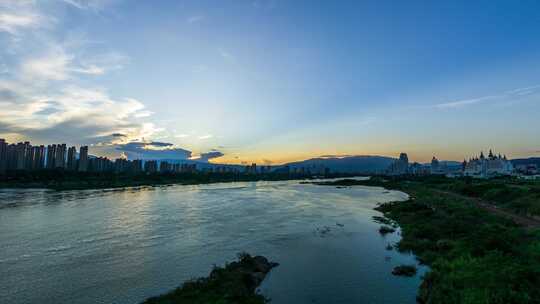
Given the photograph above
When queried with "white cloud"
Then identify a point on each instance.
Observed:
(507, 97)
(95, 5)
(58, 64)
(207, 136)
(12, 23)
(52, 66)
(142, 114)
(464, 102)
(90, 70)
(42, 93)
(91, 110)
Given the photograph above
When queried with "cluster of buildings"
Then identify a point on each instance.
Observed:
(400, 166)
(153, 166)
(484, 167)
(528, 169)
(477, 167)
(24, 156)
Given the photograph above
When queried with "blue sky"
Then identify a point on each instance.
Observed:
(273, 81)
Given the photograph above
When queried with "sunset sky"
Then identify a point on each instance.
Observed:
(272, 81)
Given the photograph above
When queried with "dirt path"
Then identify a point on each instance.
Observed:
(525, 221)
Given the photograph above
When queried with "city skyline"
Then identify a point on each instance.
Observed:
(272, 82)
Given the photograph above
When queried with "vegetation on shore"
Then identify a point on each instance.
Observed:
(474, 256)
(236, 283)
(68, 180)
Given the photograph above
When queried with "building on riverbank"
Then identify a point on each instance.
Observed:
(400, 166)
(486, 167)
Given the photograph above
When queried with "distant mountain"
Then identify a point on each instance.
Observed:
(347, 164)
(526, 161)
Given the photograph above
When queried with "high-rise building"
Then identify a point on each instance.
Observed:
(400, 166)
(28, 156)
(164, 167)
(11, 162)
(83, 159)
(20, 156)
(33, 158)
(60, 156)
(150, 166)
(3, 155)
(51, 153)
(72, 159)
(137, 166)
(39, 158)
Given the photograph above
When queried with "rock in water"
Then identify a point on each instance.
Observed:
(404, 270)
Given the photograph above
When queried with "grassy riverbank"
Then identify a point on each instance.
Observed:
(67, 180)
(474, 256)
(233, 284)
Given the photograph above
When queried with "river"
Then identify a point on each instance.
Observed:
(124, 245)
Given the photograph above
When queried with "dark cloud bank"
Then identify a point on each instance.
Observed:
(161, 150)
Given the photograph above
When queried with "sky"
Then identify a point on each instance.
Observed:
(272, 81)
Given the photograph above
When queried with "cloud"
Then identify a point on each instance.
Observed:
(95, 5)
(207, 136)
(154, 144)
(524, 91)
(153, 150)
(13, 23)
(181, 135)
(52, 66)
(507, 96)
(58, 64)
(267, 162)
(205, 157)
(91, 112)
(44, 92)
(142, 114)
(17, 16)
(336, 156)
(464, 102)
(226, 55)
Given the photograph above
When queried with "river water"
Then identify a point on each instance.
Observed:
(124, 245)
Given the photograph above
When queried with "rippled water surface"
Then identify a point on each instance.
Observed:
(122, 246)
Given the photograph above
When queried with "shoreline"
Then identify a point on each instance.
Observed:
(235, 283)
(474, 256)
(66, 180)
(65, 186)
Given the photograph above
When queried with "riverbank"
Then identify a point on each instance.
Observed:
(235, 283)
(474, 256)
(66, 180)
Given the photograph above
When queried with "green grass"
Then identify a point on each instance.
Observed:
(233, 284)
(474, 256)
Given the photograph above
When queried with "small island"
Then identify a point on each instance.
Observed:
(236, 283)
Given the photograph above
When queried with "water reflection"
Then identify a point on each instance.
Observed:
(121, 246)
